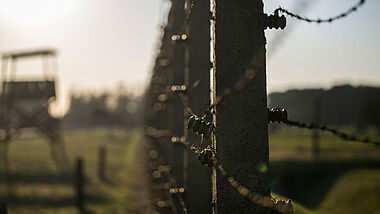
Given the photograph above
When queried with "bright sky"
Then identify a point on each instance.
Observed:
(103, 43)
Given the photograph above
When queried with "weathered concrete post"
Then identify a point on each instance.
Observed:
(198, 194)
(177, 66)
(241, 120)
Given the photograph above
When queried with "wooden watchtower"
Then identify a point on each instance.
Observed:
(25, 103)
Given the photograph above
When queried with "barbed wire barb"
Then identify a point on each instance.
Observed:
(354, 8)
(342, 135)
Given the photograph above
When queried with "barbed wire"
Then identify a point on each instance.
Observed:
(285, 207)
(158, 133)
(250, 73)
(342, 135)
(210, 159)
(208, 156)
(281, 115)
(175, 190)
(165, 169)
(325, 20)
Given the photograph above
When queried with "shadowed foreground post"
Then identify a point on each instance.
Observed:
(3, 208)
(241, 120)
(79, 183)
(198, 194)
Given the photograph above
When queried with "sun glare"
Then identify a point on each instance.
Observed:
(36, 12)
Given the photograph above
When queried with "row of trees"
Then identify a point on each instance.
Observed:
(342, 105)
(105, 109)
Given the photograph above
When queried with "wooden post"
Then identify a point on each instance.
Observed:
(102, 163)
(241, 121)
(79, 185)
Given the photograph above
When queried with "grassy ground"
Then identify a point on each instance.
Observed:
(35, 185)
(343, 179)
(295, 144)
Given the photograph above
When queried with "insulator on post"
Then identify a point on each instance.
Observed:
(162, 97)
(176, 139)
(179, 38)
(199, 126)
(179, 88)
(162, 204)
(275, 21)
(163, 62)
(206, 157)
(176, 190)
(277, 115)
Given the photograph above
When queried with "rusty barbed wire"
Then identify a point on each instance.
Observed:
(325, 20)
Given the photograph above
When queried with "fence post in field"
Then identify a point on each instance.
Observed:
(3, 208)
(79, 185)
(241, 120)
(102, 163)
(177, 68)
(198, 193)
(315, 137)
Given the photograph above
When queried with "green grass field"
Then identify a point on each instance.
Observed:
(35, 185)
(344, 179)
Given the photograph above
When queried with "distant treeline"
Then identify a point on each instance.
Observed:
(106, 109)
(343, 105)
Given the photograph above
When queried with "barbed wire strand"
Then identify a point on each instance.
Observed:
(325, 20)
(182, 202)
(249, 74)
(342, 135)
(172, 180)
(184, 103)
(265, 201)
(171, 202)
(170, 199)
